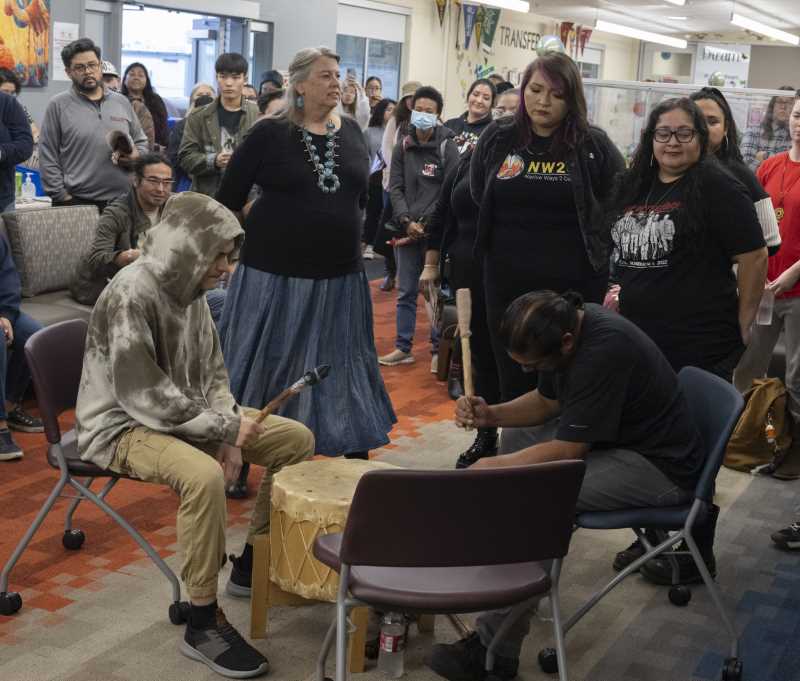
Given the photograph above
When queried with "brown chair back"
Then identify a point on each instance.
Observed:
(414, 518)
(55, 357)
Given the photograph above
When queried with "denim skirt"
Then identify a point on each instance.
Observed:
(275, 328)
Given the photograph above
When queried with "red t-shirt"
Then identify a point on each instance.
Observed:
(780, 174)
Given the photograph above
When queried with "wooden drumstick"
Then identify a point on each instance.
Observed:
(464, 310)
(309, 378)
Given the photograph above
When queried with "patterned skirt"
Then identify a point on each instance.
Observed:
(275, 328)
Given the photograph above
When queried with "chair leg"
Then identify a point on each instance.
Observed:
(713, 589)
(326, 648)
(341, 624)
(558, 631)
(513, 616)
(138, 538)
(74, 504)
(26, 538)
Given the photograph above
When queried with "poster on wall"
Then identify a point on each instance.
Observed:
(730, 62)
(63, 34)
(25, 40)
(470, 15)
(491, 18)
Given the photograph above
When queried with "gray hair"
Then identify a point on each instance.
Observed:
(193, 93)
(299, 72)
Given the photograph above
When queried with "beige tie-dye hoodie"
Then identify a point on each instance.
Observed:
(153, 356)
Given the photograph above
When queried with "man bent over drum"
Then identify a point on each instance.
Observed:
(154, 404)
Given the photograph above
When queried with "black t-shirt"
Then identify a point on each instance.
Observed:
(748, 178)
(466, 134)
(620, 392)
(536, 232)
(294, 229)
(229, 126)
(678, 283)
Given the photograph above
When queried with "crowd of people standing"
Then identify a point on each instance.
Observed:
(520, 193)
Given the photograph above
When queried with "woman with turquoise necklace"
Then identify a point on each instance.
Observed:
(300, 297)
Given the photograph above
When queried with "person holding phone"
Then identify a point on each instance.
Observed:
(354, 102)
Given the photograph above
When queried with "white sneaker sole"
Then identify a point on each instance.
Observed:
(11, 456)
(237, 591)
(195, 654)
(387, 363)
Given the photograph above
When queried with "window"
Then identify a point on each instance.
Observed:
(371, 57)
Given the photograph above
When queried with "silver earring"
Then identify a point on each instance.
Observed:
(652, 159)
(726, 140)
(300, 102)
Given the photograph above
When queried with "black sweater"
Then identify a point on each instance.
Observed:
(294, 229)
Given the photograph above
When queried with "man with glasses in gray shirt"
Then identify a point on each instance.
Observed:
(78, 167)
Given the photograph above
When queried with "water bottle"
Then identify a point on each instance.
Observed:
(28, 189)
(392, 645)
(764, 314)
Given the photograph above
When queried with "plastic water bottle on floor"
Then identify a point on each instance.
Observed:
(764, 314)
(392, 645)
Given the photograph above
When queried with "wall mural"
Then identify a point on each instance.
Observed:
(25, 40)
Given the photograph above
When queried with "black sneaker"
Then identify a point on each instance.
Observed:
(238, 488)
(9, 450)
(19, 419)
(241, 579)
(485, 445)
(788, 538)
(223, 649)
(465, 660)
(635, 551)
(659, 570)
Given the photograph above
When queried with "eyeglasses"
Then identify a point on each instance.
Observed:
(158, 182)
(83, 68)
(683, 135)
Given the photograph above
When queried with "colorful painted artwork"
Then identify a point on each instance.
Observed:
(25, 40)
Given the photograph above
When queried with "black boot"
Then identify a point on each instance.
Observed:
(357, 455)
(659, 570)
(455, 388)
(485, 445)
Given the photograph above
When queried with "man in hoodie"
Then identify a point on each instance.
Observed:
(420, 162)
(154, 403)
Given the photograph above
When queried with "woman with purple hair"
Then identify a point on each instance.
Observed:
(540, 180)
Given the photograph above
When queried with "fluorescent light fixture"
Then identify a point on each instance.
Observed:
(679, 18)
(763, 29)
(679, 3)
(515, 5)
(630, 32)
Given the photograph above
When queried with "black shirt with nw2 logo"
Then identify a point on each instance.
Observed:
(620, 392)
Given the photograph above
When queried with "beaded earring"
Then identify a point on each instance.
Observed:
(300, 102)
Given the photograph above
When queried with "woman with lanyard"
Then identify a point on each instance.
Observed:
(540, 180)
(679, 224)
(468, 126)
(299, 297)
(780, 175)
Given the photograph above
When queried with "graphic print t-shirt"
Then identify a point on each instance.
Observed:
(229, 125)
(681, 289)
(535, 220)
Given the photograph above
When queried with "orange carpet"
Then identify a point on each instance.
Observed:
(47, 572)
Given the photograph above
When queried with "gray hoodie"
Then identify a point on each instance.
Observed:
(153, 356)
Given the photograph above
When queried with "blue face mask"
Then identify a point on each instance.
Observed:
(423, 121)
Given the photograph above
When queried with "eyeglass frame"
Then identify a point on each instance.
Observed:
(675, 133)
(160, 182)
(84, 68)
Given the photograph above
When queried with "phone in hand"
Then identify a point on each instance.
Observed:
(351, 74)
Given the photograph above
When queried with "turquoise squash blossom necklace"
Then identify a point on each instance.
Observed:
(327, 179)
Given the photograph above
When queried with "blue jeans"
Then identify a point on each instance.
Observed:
(14, 372)
(410, 260)
(216, 303)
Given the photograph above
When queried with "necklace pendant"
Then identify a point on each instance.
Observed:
(779, 213)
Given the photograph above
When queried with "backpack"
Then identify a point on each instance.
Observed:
(762, 436)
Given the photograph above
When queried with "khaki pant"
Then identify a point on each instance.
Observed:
(198, 479)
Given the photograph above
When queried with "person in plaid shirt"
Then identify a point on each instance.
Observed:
(772, 136)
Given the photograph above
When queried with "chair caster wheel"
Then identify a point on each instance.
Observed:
(10, 603)
(732, 671)
(680, 595)
(548, 660)
(179, 612)
(73, 539)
